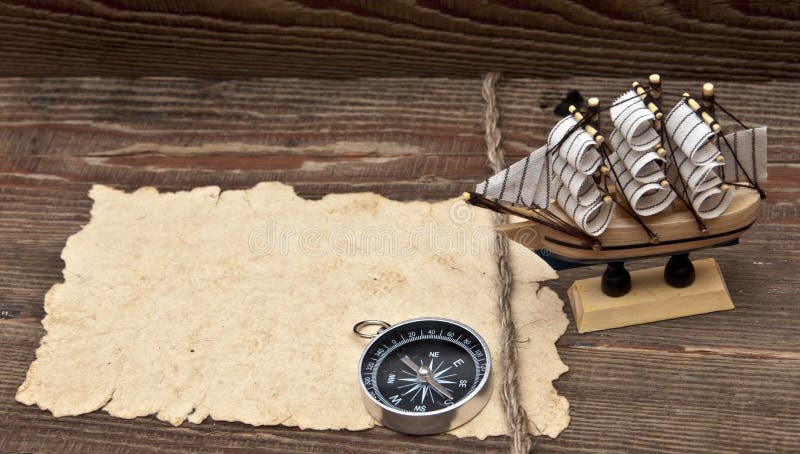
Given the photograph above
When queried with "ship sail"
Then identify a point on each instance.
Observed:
(631, 116)
(574, 161)
(697, 159)
(639, 176)
(522, 183)
(691, 134)
(750, 147)
(561, 170)
(637, 167)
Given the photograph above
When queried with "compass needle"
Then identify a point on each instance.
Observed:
(408, 362)
(441, 389)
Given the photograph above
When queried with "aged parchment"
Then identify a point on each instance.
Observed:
(239, 305)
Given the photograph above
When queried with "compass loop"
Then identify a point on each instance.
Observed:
(367, 323)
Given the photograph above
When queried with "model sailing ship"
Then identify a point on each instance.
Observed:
(662, 184)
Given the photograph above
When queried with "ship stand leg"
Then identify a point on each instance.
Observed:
(679, 271)
(616, 280)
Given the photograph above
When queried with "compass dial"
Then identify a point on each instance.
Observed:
(424, 366)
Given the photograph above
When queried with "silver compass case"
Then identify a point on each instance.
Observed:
(433, 333)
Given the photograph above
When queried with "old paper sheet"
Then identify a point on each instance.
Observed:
(239, 305)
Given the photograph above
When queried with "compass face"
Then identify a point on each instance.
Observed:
(425, 365)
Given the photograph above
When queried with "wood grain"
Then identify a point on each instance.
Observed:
(721, 382)
(432, 38)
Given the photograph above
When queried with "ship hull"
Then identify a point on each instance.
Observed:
(625, 240)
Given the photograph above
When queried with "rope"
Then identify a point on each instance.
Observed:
(516, 417)
(539, 215)
(730, 115)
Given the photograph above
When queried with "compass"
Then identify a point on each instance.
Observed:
(424, 376)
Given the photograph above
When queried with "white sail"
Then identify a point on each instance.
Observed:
(574, 161)
(646, 199)
(592, 218)
(577, 146)
(639, 174)
(580, 186)
(571, 163)
(644, 166)
(698, 178)
(634, 120)
(696, 162)
(751, 151)
(691, 134)
(708, 200)
(523, 183)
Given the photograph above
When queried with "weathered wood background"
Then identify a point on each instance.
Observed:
(725, 382)
(431, 38)
(728, 381)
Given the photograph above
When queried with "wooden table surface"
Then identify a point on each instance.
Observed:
(724, 382)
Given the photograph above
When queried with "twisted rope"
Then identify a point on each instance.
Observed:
(516, 417)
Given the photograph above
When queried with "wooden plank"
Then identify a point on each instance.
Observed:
(407, 139)
(653, 400)
(433, 38)
(373, 134)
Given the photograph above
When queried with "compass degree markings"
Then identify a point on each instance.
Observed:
(470, 349)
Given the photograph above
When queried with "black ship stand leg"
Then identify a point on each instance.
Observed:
(616, 280)
(679, 271)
